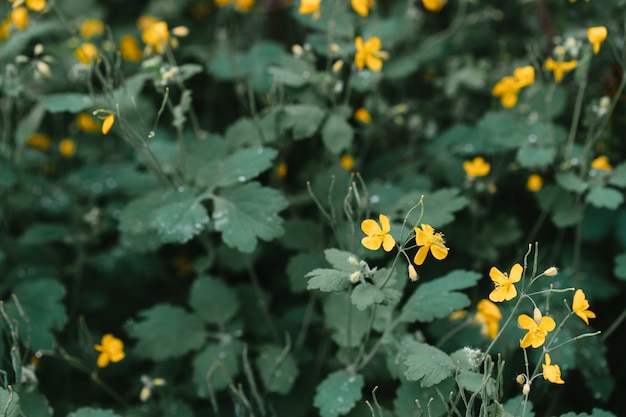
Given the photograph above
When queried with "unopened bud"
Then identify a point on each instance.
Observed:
(353, 261)
(180, 31)
(537, 315)
(526, 389)
(334, 47)
(354, 277)
(297, 50)
(521, 378)
(550, 272)
(38, 49)
(337, 66)
(413, 273)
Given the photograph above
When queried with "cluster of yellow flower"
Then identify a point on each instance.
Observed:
(19, 15)
(508, 87)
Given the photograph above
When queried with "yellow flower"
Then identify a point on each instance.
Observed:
(90, 28)
(19, 17)
(534, 183)
(108, 123)
(347, 162)
(489, 316)
(240, 5)
(601, 163)
(111, 350)
(376, 235)
(36, 5)
(537, 331)
(67, 147)
(596, 36)
(87, 123)
(505, 290)
(477, 167)
(507, 89)
(457, 314)
(156, 35)
(369, 53)
(580, 306)
(362, 115)
(429, 240)
(362, 7)
(551, 372)
(39, 141)
(309, 6)
(129, 48)
(86, 53)
(559, 67)
(524, 76)
(5, 29)
(433, 5)
(281, 171)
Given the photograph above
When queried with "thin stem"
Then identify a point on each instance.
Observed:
(614, 325)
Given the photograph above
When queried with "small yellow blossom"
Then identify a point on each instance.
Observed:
(156, 35)
(362, 7)
(369, 53)
(281, 170)
(36, 5)
(87, 123)
(524, 76)
(19, 17)
(67, 148)
(596, 36)
(601, 163)
(428, 240)
(309, 6)
(507, 89)
(362, 115)
(347, 162)
(148, 385)
(86, 53)
(457, 314)
(534, 183)
(477, 167)
(551, 372)
(240, 5)
(559, 67)
(39, 141)
(129, 49)
(111, 350)
(90, 28)
(580, 306)
(505, 290)
(537, 331)
(489, 317)
(433, 5)
(377, 235)
(108, 123)
(5, 29)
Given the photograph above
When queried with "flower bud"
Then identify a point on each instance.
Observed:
(337, 66)
(521, 378)
(526, 389)
(353, 261)
(550, 272)
(413, 273)
(537, 316)
(297, 50)
(354, 277)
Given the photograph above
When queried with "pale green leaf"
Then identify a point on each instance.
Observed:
(246, 213)
(341, 260)
(439, 206)
(365, 295)
(241, 133)
(180, 219)
(241, 166)
(569, 181)
(349, 325)
(287, 77)
(9, 403)
(92, 412)
(303, 119)
(338, 393)
(41, 233)
(299, 266)
(135, 223)
(618, 176)
(604, 197)
(213, 300)
(278, 369)
(66, 102)
(216, 366)
(477, 382)
(620, 266)
(427, 364)
(536, 156)
(166, 331)
(327, 280)
(337, 134)
(438, 298)
(35, 404)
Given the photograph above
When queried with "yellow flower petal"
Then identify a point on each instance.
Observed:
(420, 256)
(108, 123)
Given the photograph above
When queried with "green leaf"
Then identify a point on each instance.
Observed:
(427, 364)
(92, 412)
(604, 197)
(29, 124)
(135, 224)
(278, 369)
(213, 300)
(41, 303)
(439, 206)
(287, 77)
(242, 166)
(41, 233)
(245, 213)
(341, 260)
(512, 405)
(180, 219)
(536, 156)
(9, 403)
(438, 298)
(477, 382)
(302, 119)
(328, 280)
(298, 267)
(571, 182)
(337, 134)
(35, 404)
(216, 366)
(66, 102)
(620, 266)
(340, 313)
(596, 412)
(413, 400)
(243, 132)
(338, 393)
(618, 176)
(165, 331)
(365, 295)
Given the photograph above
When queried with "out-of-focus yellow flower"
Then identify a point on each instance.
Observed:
(369, 53)
(580, 306)
(362, 115)
(596, 36)
(551, 372)
(559, 67)
(90, 28)
(433, 5)
(477, 167)
(240, 5)
(524, 76)
(347, 162)
(156, 35)
(309, 6)
(377, 235)
(19, 17)
(362, 7)
(534, 183)
(457, 314)
(5, 29)
(507, 89)
(281, 170)
(108, 123)
(148, 385)
(36, 5)
(86, 53)
(505, 290)
(111, 350)
(537, 330)
(67, 147)
(489, 317)
(428, 240)
(129, 49)
(39, 141)
(601, 163)
(87, 123)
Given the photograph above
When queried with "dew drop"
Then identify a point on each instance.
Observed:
(241, 178)
(469, 148)
(374, 199)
